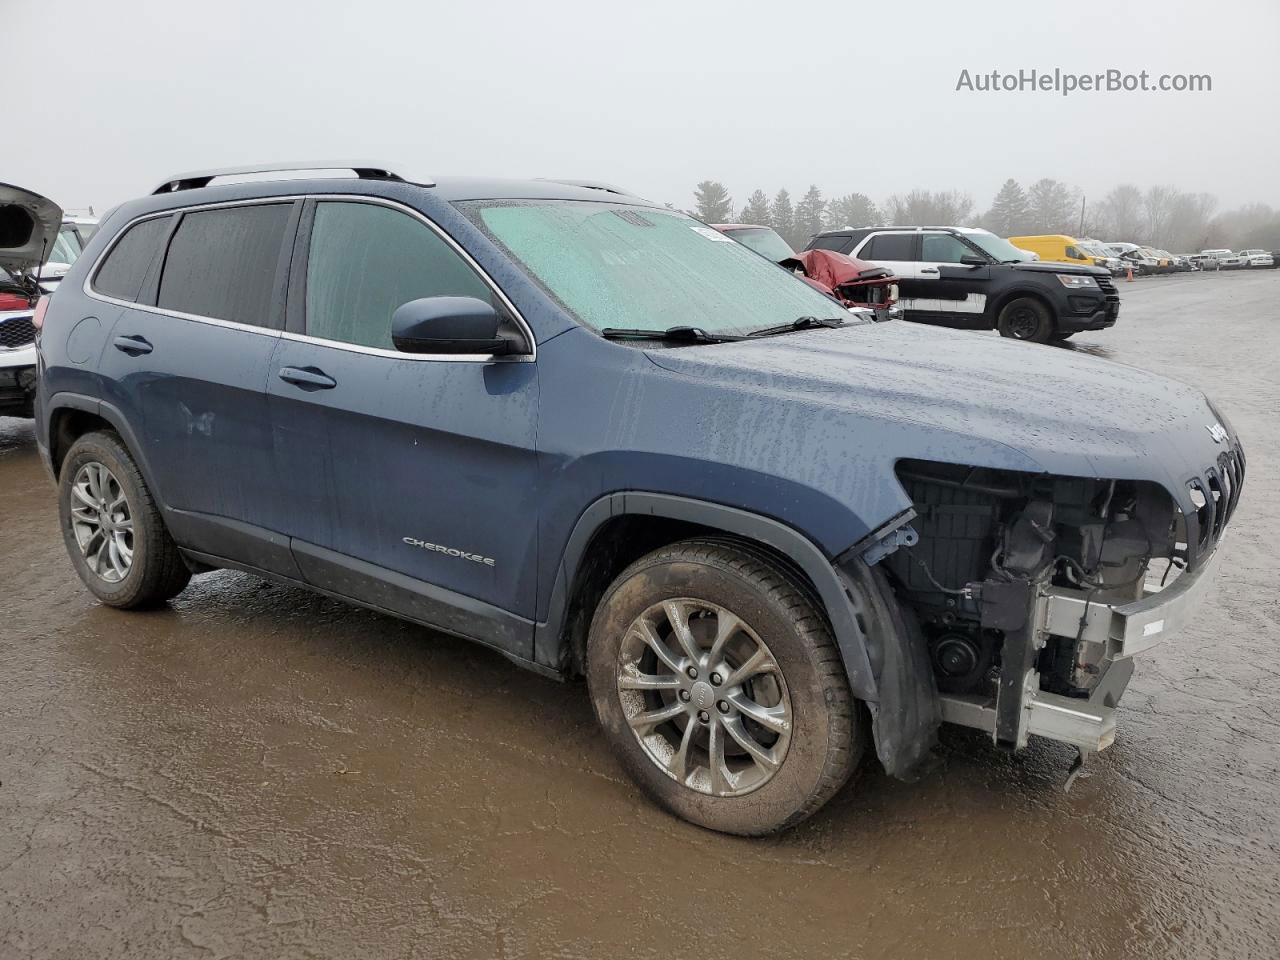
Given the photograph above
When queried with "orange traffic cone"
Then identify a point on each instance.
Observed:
(1130, 277)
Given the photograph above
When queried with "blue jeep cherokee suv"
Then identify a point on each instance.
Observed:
(609, 441)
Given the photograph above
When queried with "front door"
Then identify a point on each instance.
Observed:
(957, 291)
(411, 479)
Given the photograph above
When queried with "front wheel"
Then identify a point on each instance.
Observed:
(718, 684)
(1026, 319)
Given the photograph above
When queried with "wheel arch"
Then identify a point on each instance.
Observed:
(620, 527)
(71, 416)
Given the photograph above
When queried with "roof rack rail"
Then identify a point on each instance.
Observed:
(594, 185)
(362, 170)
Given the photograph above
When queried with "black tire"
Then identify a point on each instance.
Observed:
(156, 571)
(824, 746)
(1025, 318)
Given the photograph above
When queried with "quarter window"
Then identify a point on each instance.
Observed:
(943, 248)
(122, 273)
(890, 246)
(222, 263)
(365, 260)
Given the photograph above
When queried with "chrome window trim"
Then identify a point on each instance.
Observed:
(529, 357)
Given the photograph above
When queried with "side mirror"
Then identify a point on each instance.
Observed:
(453, 325)
(973, 260)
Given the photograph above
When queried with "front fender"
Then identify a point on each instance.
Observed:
(549, 635)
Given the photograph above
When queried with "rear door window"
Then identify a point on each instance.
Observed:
(898, 247)
(365, 260)
(222, 263)
(120, 276)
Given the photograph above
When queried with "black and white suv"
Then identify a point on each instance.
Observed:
(965, 277)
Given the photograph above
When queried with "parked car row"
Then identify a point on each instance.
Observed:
(38, 245)
(604, 439)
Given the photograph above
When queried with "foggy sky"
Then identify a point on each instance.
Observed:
(106, 99)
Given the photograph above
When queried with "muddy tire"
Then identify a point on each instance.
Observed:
(112, 528)
(1026, 319)
(718, 683)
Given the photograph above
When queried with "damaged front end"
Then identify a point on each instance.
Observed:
(1033, 592)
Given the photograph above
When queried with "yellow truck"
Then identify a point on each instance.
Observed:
(1060, 248)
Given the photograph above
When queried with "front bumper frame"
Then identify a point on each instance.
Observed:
(1020, 708)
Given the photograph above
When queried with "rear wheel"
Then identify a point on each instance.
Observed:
(112, 528)
(1026, 319)
(718, 684)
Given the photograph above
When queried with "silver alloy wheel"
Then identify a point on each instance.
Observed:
(102, 522)
(704, 696)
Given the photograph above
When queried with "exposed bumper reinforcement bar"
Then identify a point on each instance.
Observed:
(1122, 629)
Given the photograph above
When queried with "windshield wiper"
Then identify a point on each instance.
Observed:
(800, 323)
(671, 334)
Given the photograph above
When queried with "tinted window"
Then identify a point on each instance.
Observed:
(366, 260)
(889, 246)
(121, 275)
(838, 244)
(222, 263)
(943, 248)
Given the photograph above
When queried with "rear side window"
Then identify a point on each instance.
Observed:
(840, 244)
(122, 273)
(222, 263)
(889, 246)
(366, 260)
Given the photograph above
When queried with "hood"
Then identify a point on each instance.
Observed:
(29, 225)
(950, 396)
(839, 270)
(1036, 266)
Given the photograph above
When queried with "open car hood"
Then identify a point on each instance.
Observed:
(29, 225)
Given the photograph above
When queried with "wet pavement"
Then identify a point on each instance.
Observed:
(257, 771)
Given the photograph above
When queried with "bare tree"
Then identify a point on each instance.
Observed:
(926, 208)
(1120, 214)
(1157, 206)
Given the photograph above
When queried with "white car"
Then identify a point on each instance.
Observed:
(1226, 259)
(1257, 258)
(30, 233)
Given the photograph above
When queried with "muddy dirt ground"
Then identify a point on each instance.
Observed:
(260, 772)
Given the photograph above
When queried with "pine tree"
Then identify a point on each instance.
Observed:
(757, 210)
(1052, 206)
(781, 215)
(852, 210)
(1008, 214)
(808, 217)
(712, 202)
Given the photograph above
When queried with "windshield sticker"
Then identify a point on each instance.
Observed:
(710, 234)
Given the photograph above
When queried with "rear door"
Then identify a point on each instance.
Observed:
(187, 362)
(957, 293)
(411, 479)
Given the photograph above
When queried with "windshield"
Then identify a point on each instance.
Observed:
(1001, 250)
(764, 241)
(632, 267)
(1093, 249)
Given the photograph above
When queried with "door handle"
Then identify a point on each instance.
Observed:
(308, 378)
(930, 270)
(133, 346)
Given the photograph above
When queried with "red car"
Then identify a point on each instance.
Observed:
(855, 283)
